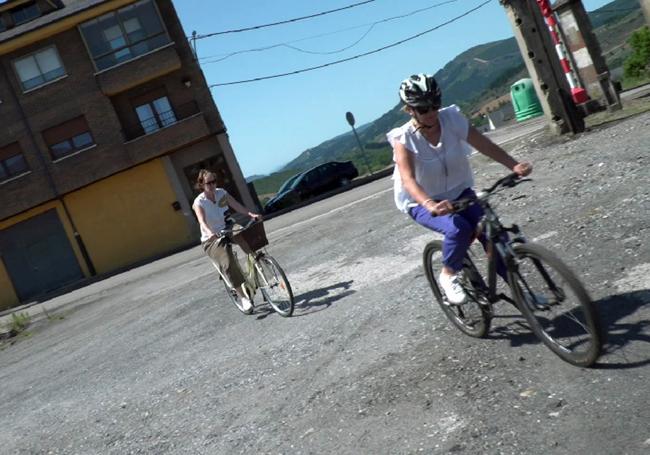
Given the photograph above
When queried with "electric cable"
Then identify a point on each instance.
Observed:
(354, 57)
(296, 19)
(288, 43)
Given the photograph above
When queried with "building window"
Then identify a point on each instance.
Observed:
(68, 138)
(3, 27)
(38, 68)
(12, 161)
(155, 114)
(25, 13)
(124, 34)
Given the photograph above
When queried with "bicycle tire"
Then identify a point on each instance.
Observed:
(274, 285)
(541, 283)
(234, 299)
(472, 318)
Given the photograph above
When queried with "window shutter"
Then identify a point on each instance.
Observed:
(10, 150)
(65, 131)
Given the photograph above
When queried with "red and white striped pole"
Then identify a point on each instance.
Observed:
(578, 93)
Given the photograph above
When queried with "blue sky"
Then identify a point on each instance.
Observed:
(270, 122)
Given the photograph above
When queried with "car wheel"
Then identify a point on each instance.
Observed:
(345, 181)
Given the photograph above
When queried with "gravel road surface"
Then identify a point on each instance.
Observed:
(155, 360)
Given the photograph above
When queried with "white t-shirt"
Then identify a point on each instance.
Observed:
(214, 211)
(443, 171)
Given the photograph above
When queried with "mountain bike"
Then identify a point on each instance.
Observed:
(262, 271)
(548, 294)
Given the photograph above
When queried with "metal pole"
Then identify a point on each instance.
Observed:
(196, 57)
(350, 118)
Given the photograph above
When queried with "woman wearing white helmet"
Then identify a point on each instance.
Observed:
(431, 152)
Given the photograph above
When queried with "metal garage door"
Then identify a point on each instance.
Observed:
(38, 255)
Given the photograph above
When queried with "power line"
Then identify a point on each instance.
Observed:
(288, 43)
(336, 62)
(256, 27)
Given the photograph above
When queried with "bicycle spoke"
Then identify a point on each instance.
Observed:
(556, 305)
(274, 285)
(472, 318)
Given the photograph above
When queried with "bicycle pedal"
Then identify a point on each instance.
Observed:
(451, 305)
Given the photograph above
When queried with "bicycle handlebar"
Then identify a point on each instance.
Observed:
(227, 232)
(509, 181)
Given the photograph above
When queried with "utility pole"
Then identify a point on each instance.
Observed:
(645, 6)
(543, 65)
(196, 57)
(350, 118)
(586, 55)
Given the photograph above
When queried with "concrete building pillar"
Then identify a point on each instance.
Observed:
(235, 170)
(586, 55)
(543, 65)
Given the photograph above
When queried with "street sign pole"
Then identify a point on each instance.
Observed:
(350, 118)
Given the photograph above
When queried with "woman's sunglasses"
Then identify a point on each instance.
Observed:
(425, 109)
(211, 182)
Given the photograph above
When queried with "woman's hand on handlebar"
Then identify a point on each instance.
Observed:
(439, 208)
(522, 169)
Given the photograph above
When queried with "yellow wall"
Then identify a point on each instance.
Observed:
(128, 217)
(122, 219)
(8, 297)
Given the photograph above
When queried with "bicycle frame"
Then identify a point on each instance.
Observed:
(495, 235)
(252, 287)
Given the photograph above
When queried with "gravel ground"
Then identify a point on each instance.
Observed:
(154, 361)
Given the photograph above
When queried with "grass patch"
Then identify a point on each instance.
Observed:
(19, 323)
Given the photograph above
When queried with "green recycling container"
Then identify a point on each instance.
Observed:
(524, 100)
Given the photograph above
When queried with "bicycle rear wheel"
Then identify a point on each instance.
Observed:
(274, 285)
(234, 298)
(473, 317)
(556, 305)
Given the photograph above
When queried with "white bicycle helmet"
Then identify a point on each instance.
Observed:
(420, 90)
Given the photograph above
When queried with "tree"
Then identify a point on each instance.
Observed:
(637, 65)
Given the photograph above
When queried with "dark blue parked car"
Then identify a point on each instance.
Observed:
(315, 181)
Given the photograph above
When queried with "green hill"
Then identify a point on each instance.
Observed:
(471, 79)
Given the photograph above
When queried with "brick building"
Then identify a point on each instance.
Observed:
(106, 119)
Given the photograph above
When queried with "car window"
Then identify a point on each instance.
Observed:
(298, 181)
(286, 185)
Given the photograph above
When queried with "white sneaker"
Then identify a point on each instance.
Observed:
(246, 304)
(453, 290)
(536, 301)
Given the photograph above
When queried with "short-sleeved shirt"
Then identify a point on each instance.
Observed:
(443, 170)
(215, 212)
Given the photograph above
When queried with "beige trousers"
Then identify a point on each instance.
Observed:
(226, 260)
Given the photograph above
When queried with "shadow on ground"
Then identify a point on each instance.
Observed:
(322, 298)
(624, 339)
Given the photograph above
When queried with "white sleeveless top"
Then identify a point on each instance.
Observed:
(443, 171)
(214, 211)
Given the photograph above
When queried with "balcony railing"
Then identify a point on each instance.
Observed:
(160, 120)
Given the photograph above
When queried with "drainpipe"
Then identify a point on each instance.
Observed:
(50, 180)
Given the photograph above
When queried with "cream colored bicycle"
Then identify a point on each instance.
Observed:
(262, 270)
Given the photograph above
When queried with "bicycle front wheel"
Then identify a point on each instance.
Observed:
(473, 316)
(556, 305)
(274, 285)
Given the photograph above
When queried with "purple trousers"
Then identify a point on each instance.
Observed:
(458, 229)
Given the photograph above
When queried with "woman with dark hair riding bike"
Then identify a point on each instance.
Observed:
(431, 152)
